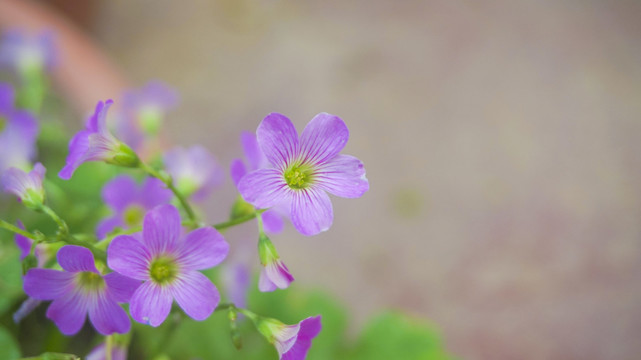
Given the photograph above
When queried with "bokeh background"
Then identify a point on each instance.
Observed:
(501, 140)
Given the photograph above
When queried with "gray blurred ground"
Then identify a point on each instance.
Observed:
(501, 141)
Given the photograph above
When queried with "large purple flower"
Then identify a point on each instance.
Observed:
(291, 341)
(168, 264)
(272, 218)
(26, 53)
(130, 202)
(81, 289)
(96, 143)
(303, 170)
(195, 171)
(18, 132)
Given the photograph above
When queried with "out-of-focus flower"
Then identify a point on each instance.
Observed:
(272, 218)
(96, 143)
(118, 352)
(236, 279)
(27, 53)
(26, 186)
(274, 273)
(304, 170)
(168, 265)
(148, 106)
(195, 171)
(18, 132)
(291, 341)
(81, 289)
(130, 201)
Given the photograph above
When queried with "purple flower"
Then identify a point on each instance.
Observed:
(195, 171)
(118, 352)
(130, 202)
(168, 264)
(96, 143)
(26, 53)
(26, 186)
(272, 218)
(18, 132)
(81, 289)
(291, 341)
(274, 273)
(303, 170)
(24, 245)
(148, 106)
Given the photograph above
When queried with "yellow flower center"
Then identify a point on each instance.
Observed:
(299, 176)
(163, 270)
(90, 281)
(133, 215)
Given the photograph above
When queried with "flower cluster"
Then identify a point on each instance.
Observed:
(154, 249)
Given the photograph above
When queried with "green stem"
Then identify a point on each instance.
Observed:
(108, 347)
(238, 220)
(17, 230)
(170, 185)
(62, 225)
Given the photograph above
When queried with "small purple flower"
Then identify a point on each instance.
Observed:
(303, 170)
(168, 265)
(274, 273)
(81, 289)
(130, 202)
(24, 245)
(291, 341)
(272, 218)
(148, 106)
(26, 53)
(118, 352)
(195, 171)
(18, 132)
(26, 186)
(96, 143)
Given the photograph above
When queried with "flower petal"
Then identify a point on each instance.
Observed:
(75, 258)
(120, 192)
(237, 171)
(264, 283)
(47, 284)
(264, 188)
(161, 229)
(121, 288)
(150, 304)
(309, 329)
(69, 312)
(107, 225)
(78, 146)
(278, 139)
(311, 211)
(202, 248)
(107, 316)
(154, 193)
(343, 176)
(129, 257)
(273, 222)
(195, 294)
(15, 181)
(253, 154)
(323, 138)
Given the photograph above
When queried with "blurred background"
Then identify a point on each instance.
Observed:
(500, 138)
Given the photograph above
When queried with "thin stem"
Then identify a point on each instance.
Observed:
(62, 225)
(17, 230)
(259, 218)
(170, 185)
(238, 220)
(108, 347)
